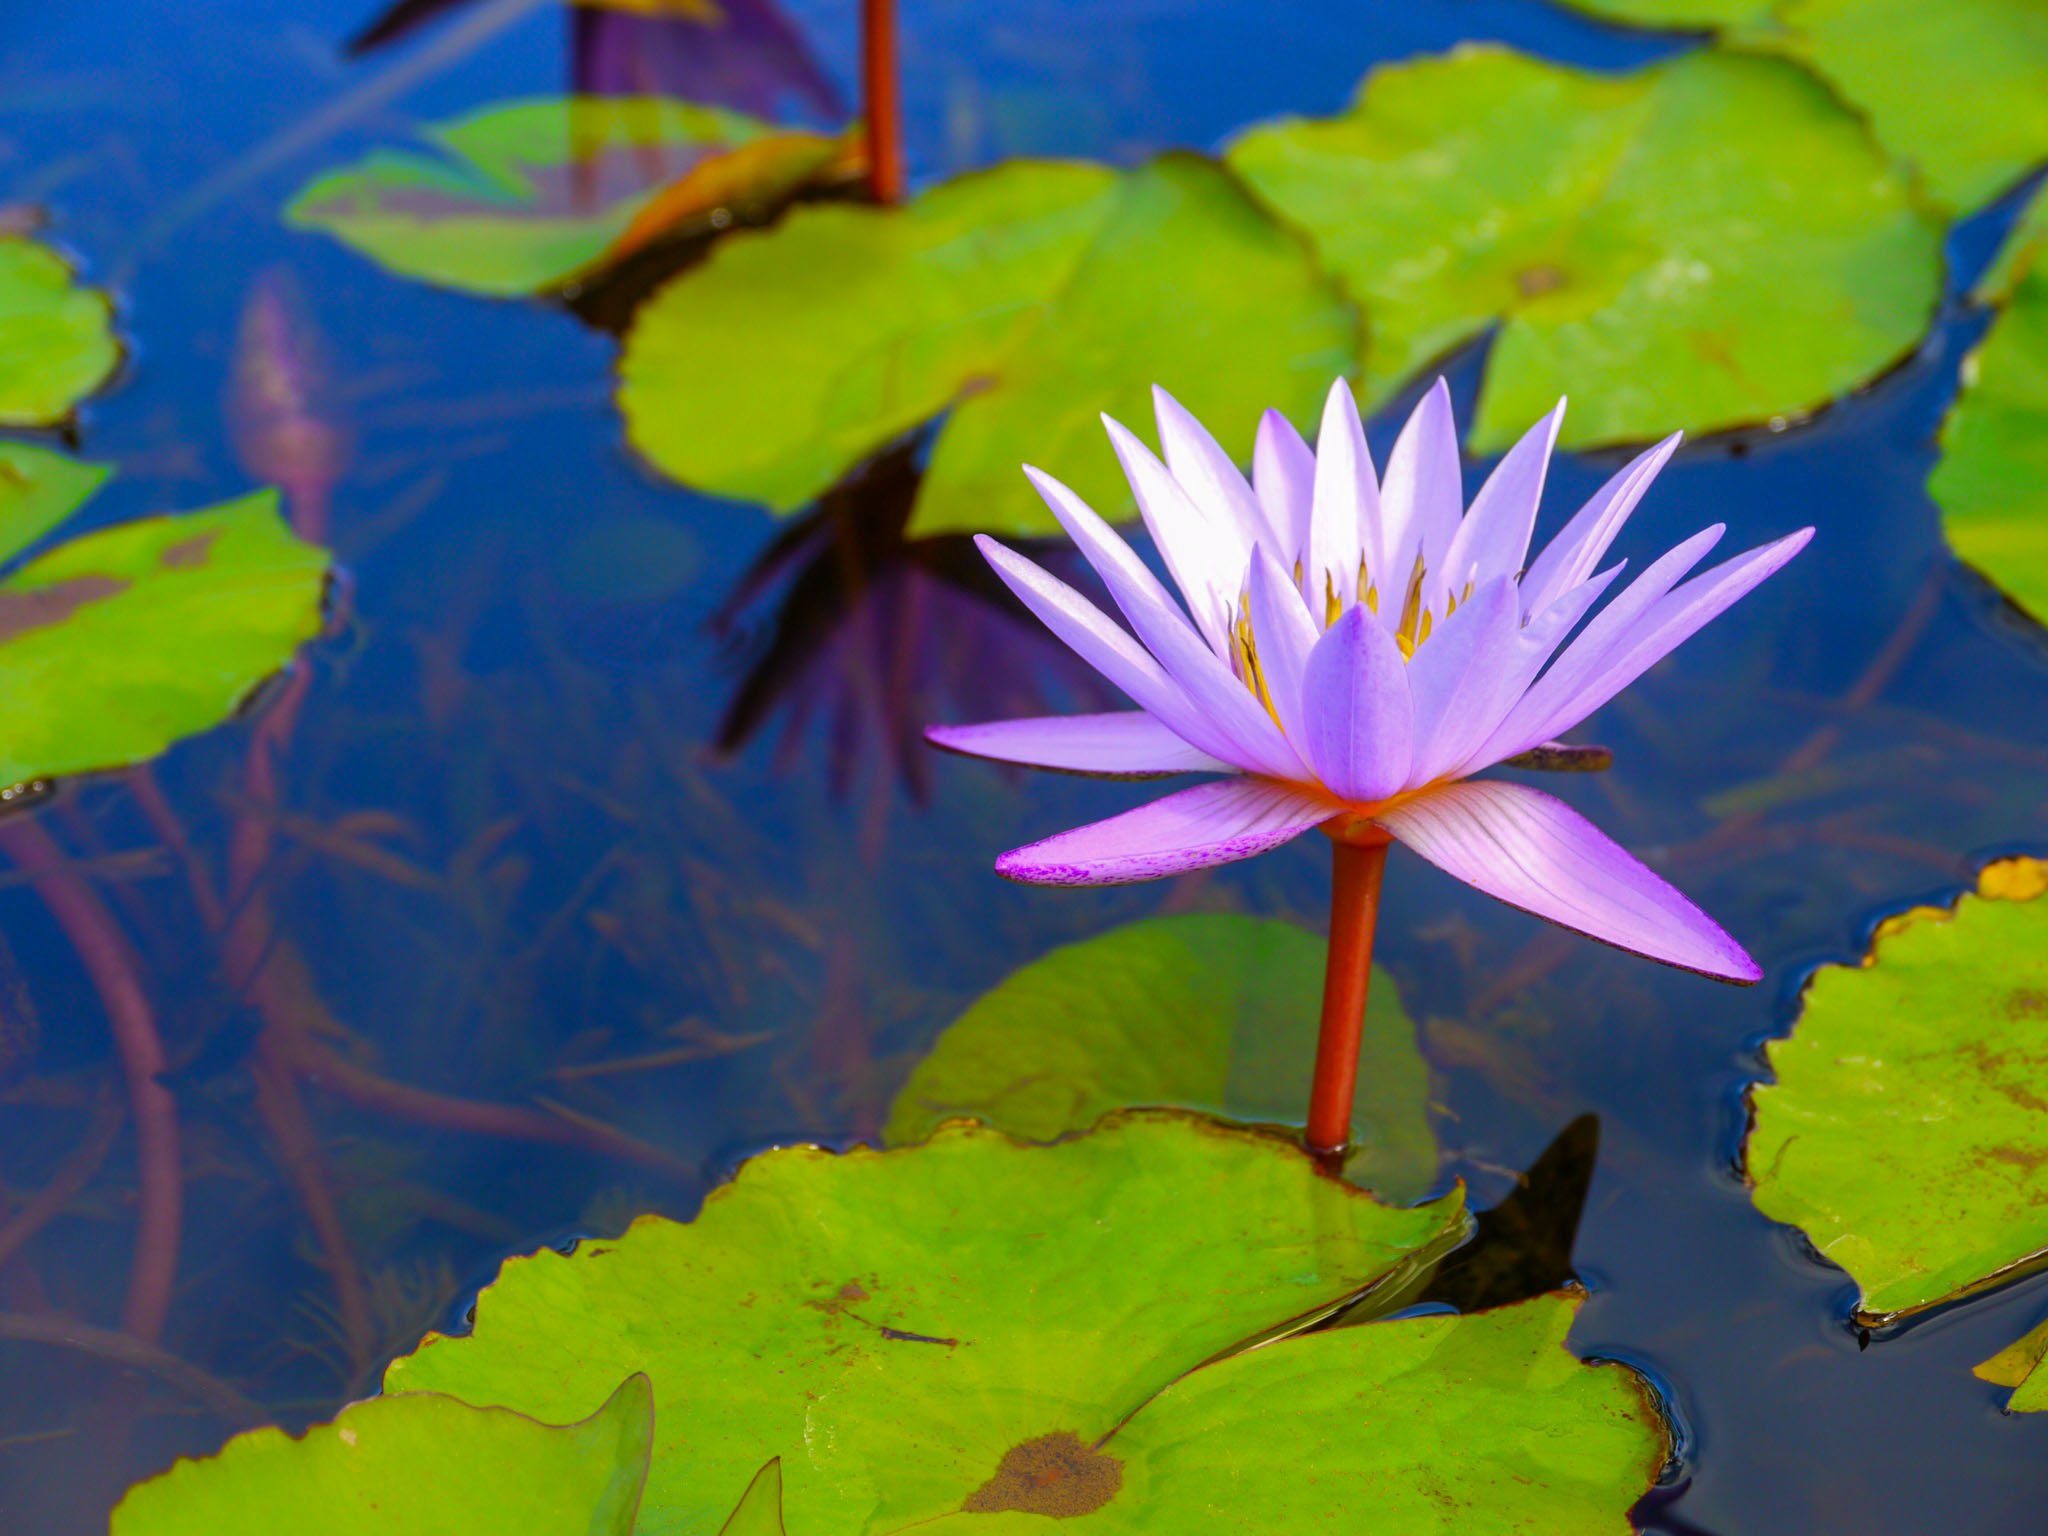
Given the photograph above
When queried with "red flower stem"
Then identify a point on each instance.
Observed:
(881, 89)
(93, 933)
(1361, 859)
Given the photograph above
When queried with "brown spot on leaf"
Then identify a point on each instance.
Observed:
(189, 554)
(1534, 282)
(2018, 1157)
(2025, 1097)
(1053, 1475)
(2027, 1003)
(24, 612)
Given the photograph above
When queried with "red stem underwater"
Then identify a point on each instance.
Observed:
(94, 934)
(1354, 911)
(883, 100)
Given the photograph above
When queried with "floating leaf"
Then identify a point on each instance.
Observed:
(520, 198)
(1018, 302)
(1702, 243)
(938, 1335)
(1907, 1132)
(2018, 1366)
(1992, 481)
(56, 339)
(1205, 1012)
(1958, 91)
(412, 1462)
(120, 642)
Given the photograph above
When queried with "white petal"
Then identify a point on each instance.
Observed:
(1206, 556)
(1345, 522)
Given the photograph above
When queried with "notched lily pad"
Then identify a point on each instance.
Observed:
(56, 338)
(122, 641)
(523, 197)
(413, 1462)
(973, 1334)
(1958, 91)
(1214, 1012)
(2018, 1366)
(1992, 481)
(1907, 1131)
(1702, 243)
(1018, 303)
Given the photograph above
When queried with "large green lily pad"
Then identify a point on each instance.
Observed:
(1018, 303)
(1212, 1012)
(1907, 1131)
(1703, 243)
(56, 339)
(1992, 480)
(521, 197)
(973, 1333)
(118, 643)
(1958, 91)
(412, 1464)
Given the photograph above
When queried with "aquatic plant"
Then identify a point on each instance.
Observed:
(974, 1327)
(1360, 648)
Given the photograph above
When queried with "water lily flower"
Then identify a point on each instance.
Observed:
(1354, 649)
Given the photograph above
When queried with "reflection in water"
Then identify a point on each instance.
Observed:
(1523, 1245)
(743, 54)
(875, 636)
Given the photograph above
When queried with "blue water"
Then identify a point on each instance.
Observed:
(526, 717)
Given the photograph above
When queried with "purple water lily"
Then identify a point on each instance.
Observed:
(1354, 649)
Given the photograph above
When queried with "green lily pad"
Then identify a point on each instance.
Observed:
(56, 339)
(973, 1333)
(1957, 91)
(2018, 1366)
(118, 643)
(1018, 302)
(1202, 1012)
(1992, 481)
(1700, 244)
(1906, 1133)
(522, 197)
(412, 1463)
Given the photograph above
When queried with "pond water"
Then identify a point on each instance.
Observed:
(512, 849)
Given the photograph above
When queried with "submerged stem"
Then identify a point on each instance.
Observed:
(1354, 910)
(883, 102)
(104, 952)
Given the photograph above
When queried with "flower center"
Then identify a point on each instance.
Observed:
(1416, 623)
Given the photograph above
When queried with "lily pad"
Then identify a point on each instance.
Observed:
(1958, 91)
(1203, 1012)
(2018, 1366)
(1702, 243)
(953, 1335)
(118, 643)
(522, 197)
(1907, 1133)
(1018, 303)
(1992, 481)
(56, 339)
(413, 1462)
